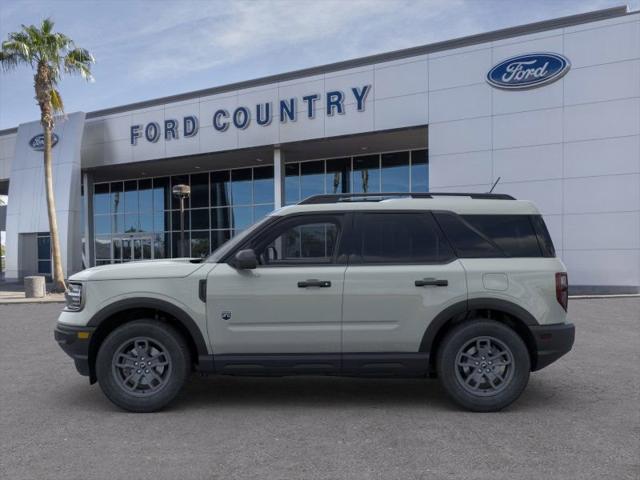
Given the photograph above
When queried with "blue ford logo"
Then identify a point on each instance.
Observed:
(528, 71)
(37, 142)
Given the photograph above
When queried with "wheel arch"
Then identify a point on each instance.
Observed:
(503, 311)
(127, 310)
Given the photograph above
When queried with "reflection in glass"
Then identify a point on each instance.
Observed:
(395, 172)
(199, 244)
(241, 187)
(44, 267)
(160, 222)
(218, 237)
(102, 224)
(311, 179)
(292, 183)
(101, 198)
(261, 211)
(200, 190)
(117, 198)
(200, 219)
(337, 177)
(263, 185)
(161, 194)
(146, 222)
(117, 249)
(131, 203)
(145, 195)
(242, 217)
(366, 174)
(220, 218)
(131, 223)
(420, 171)
(103, 247)
(220, 189)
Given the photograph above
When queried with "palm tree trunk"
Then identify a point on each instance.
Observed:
(58, 275)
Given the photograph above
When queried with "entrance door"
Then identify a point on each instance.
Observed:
(290, 304)
(132, 248)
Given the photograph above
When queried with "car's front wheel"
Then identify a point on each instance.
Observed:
(142, 365)
(483, 365)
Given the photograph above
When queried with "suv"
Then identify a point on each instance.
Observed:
(465, 287)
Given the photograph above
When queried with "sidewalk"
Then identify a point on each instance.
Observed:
(14, 293)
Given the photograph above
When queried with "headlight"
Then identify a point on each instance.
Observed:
(73, 296)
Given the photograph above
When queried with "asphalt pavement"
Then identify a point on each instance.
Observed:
(578, 418)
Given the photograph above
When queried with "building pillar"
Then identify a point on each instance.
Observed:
(87, 222)
(278, 177)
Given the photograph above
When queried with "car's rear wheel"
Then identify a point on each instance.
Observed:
(142, 365)
(483, 365)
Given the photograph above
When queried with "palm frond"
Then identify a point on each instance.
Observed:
(79, 61)
(56, 101)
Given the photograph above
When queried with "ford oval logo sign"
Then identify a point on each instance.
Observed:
(528, 71)
(37, 142)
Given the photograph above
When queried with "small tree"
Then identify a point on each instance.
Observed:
(49, 54)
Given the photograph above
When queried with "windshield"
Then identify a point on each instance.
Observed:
(227, 246)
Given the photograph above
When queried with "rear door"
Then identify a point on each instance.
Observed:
(401, 274)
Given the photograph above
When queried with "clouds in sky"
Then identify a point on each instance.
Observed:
(148, 49)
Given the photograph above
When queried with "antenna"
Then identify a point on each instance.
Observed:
(494, 185)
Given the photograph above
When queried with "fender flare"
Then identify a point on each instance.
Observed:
(464, 307)
(153, 303)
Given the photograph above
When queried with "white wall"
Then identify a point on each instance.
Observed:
(573, 146)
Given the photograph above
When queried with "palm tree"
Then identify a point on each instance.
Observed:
(50, 55)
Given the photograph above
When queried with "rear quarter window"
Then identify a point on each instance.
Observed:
(488, 236)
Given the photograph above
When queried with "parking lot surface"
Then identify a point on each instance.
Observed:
(578, 418)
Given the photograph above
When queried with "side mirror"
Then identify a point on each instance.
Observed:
(245, 260)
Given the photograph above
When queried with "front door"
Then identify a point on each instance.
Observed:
(132, 248)
(290, 304)
(401, 274)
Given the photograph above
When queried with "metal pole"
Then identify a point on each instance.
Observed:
(182, 226)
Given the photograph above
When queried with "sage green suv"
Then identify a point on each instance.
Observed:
(465, 287)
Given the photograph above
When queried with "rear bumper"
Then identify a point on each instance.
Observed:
(552, 342)
(75, 345)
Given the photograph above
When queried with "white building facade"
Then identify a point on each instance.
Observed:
(551, 108)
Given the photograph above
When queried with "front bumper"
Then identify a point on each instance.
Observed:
(552, 342)
(74, 341)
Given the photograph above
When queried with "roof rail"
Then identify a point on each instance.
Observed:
(377, 197)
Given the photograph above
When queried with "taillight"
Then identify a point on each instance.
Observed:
(562, 289)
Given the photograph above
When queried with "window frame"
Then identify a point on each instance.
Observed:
(355, 257)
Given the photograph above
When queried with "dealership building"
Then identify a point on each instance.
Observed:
(552, 109)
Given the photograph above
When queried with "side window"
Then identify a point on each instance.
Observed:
(491, 236)
(513, 234)
(304, 241)
(400, 238)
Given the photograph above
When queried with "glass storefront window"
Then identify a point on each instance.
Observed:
(395, 172)
(292, 183)
(145, 195)
(161, 194)
(220, 189)
(200, 190)
(338, 171)
(101, 198)
(420, 171)
(366, 174)
(311, 179)
(200, 218)
(199, 244)
(263, 185)
(220, 218)
(242, 217)
(241, 191)
(131, 203)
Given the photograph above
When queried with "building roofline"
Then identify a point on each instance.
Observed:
(494, 35)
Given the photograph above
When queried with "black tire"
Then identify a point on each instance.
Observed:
(464, 370)
(121, 365)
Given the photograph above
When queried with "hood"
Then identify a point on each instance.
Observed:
(174, 268)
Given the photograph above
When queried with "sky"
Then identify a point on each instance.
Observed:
(150, 49)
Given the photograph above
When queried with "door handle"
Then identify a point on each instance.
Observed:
(431, 282)
(314, 283)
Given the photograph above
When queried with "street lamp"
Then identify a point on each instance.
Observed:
(182, 192)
